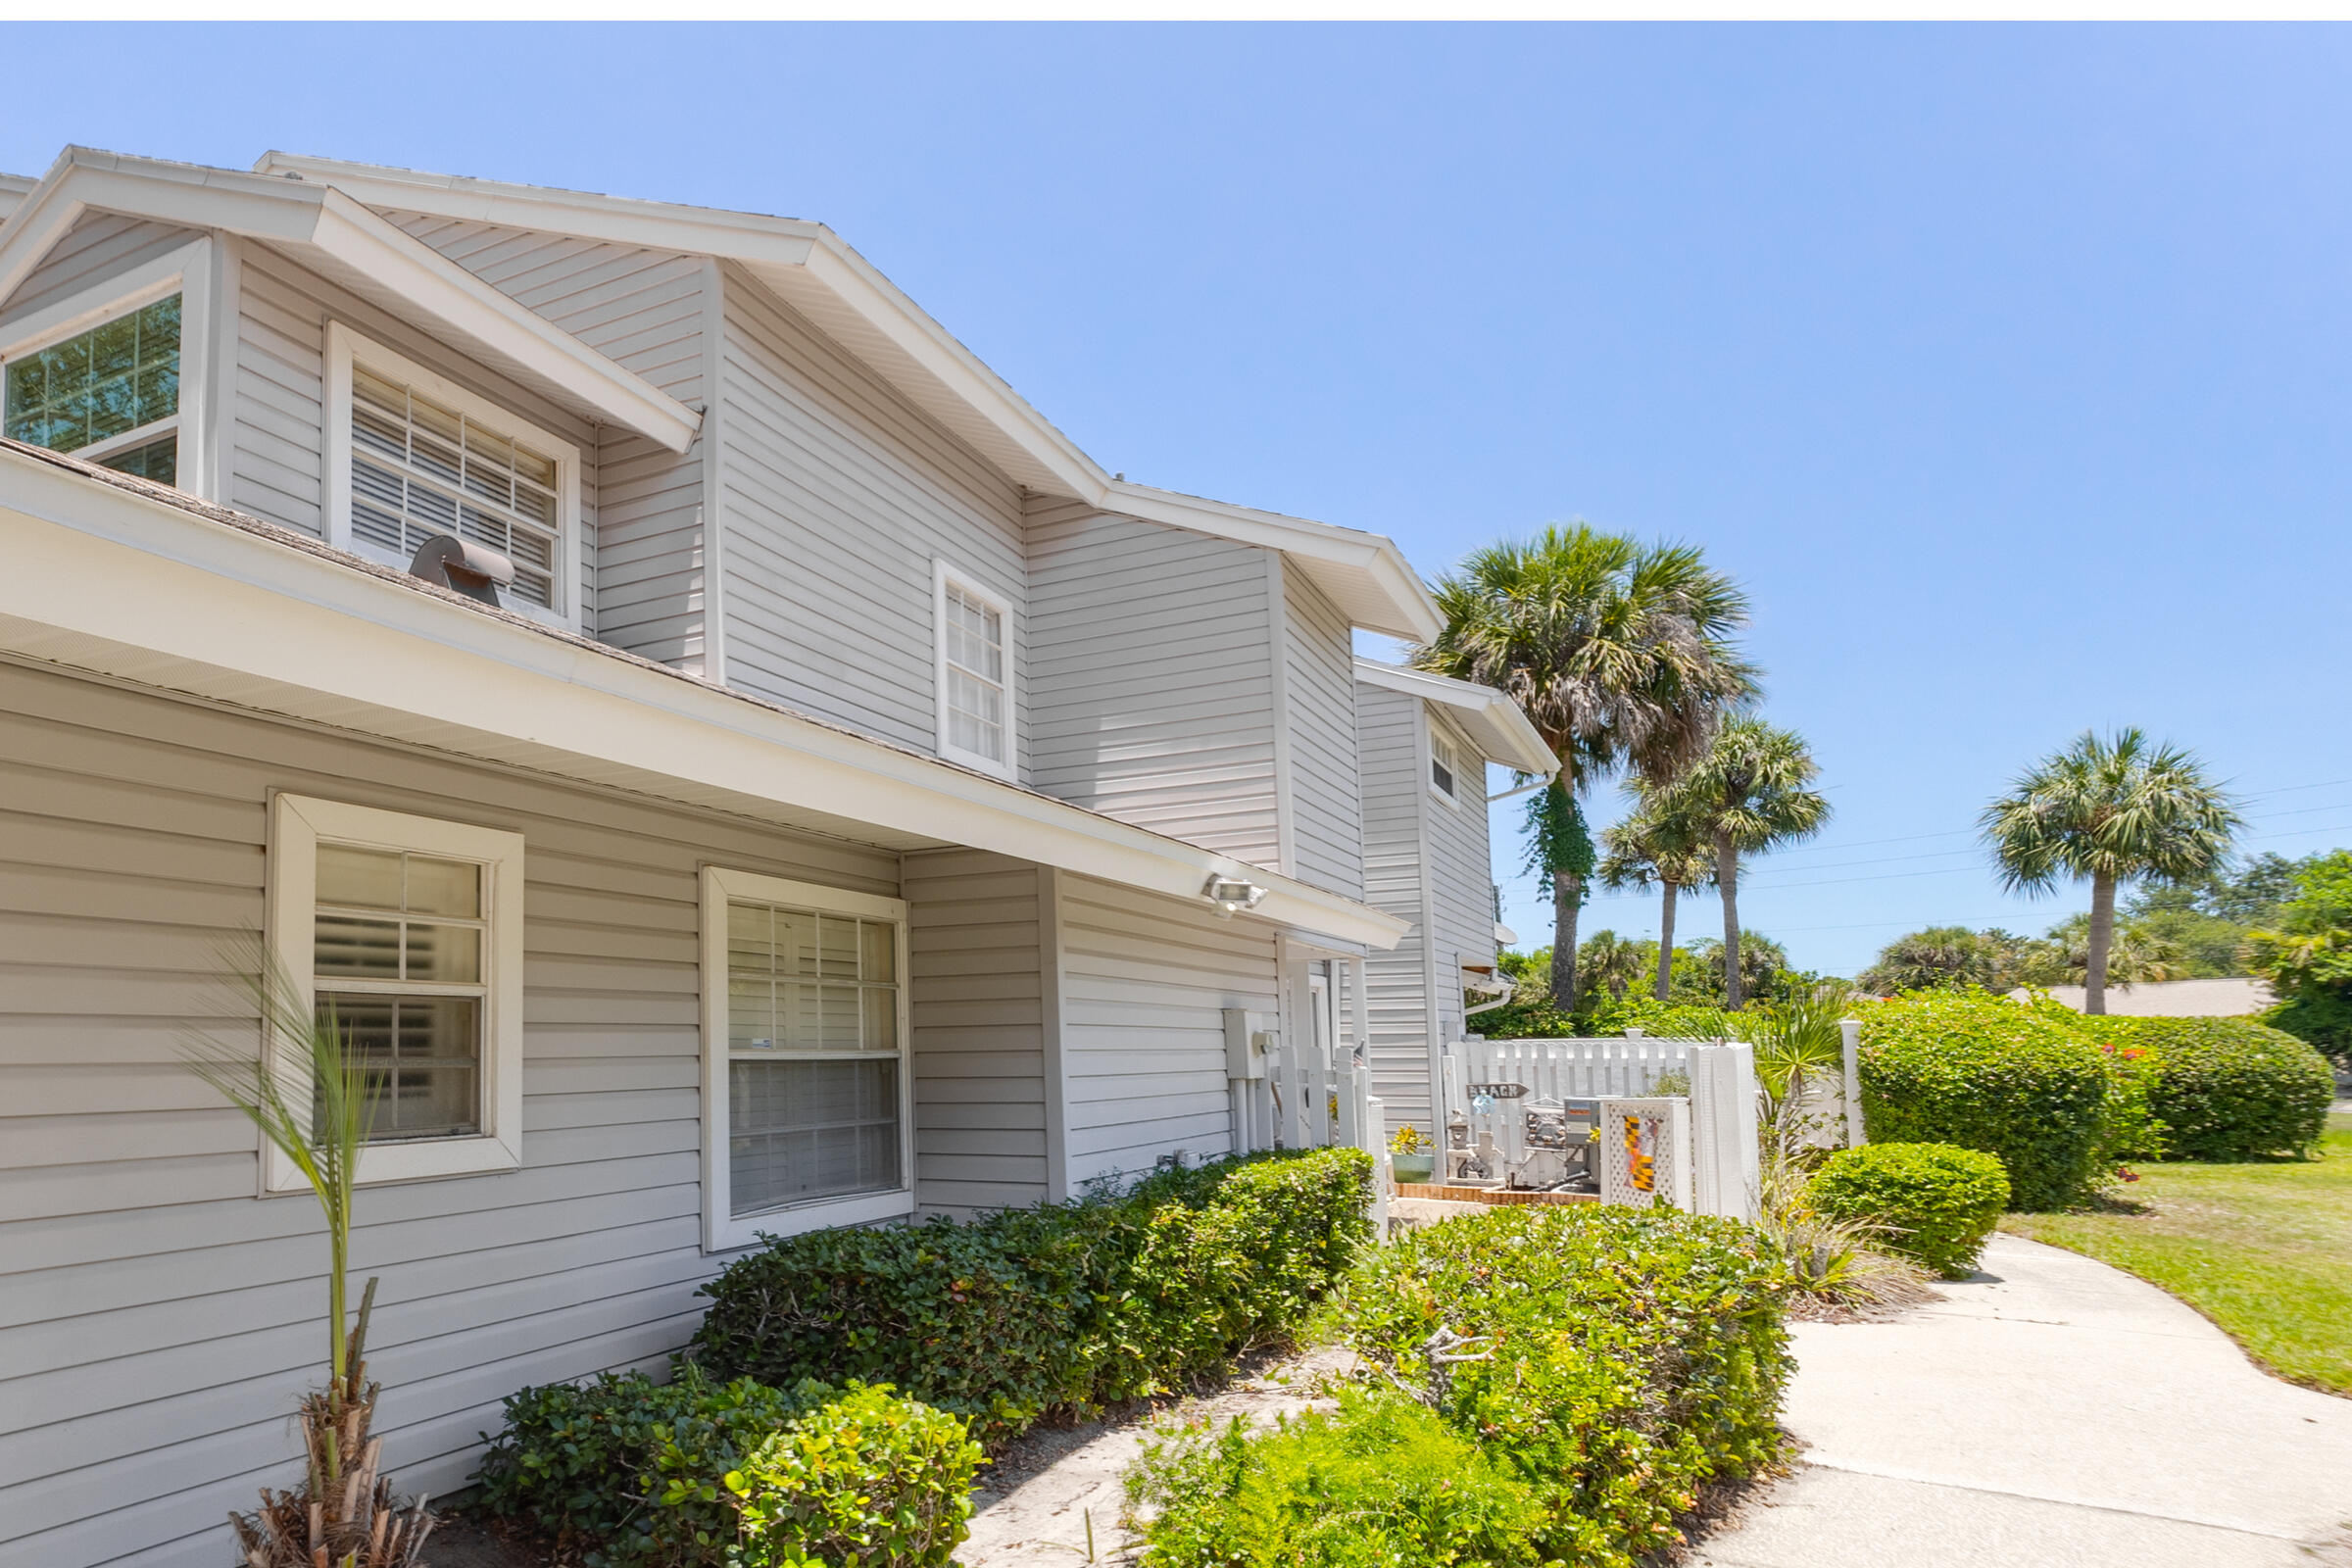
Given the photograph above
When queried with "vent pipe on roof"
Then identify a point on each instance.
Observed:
(463, 567)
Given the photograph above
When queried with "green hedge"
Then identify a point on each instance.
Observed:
(1635, 1356)
(1938, 1202)
(622, 1472)
(1060, 1307)
(2025, 1084)
(2234, 1087)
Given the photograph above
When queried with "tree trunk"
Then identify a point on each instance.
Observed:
(1666, 942)
(2102, 938)
(1567, 898)
(1727, 871)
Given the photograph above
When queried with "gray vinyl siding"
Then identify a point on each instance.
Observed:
(96, 246)
(980, 972)
(1152, 694)
(646, 311)
(1145, 982)
(277, 468)
(1461, 883)
(837, 497)
(1327, 845)
(1389, 736)
(157, 1320)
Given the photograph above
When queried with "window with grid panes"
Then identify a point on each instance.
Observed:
(399, 969)
(974, 670)
(419, 469)
(813, 1056)
(1441, 763)
(111, 394)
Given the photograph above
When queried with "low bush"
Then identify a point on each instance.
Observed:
(1936, 1202)
(623, 1472)
(2025, 1084)
(866, 1479)
(1631, 1357)
(1382, 1482)
(1062, 1306)
(2233, 1088)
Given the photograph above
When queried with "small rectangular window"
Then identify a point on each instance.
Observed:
(111, 394)
(1441, 763)
(975, 688)
(407, 932)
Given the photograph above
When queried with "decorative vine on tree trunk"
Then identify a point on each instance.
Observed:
(1559, 849)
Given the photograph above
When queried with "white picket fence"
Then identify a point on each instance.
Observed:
(1291, 1094)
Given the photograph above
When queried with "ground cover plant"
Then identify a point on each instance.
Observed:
(2264, 1248)
(1934, 1203)
(1059, 1307)
(1601, 1365)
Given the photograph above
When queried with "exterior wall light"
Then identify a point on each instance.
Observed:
(1231, 895)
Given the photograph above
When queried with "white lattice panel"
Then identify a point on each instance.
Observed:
(1643, 1159)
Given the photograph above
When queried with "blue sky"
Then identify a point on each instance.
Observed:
(2006, 366)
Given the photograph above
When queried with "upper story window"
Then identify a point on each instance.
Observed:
(1444, 763)
(975, 675)
(416, 456)
(109, 394)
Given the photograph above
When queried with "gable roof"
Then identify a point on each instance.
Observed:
(14, 188)
(213, 602)
(343, 240)
(1492, 721)
(822, 277)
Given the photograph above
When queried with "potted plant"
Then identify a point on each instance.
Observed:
(1410, 1154)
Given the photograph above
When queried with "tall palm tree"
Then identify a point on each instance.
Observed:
(2114, 808)
(1655, 848)
(1619, 652)
(1748, 794)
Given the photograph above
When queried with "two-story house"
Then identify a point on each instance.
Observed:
(857, 802)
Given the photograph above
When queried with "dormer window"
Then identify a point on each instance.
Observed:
(1443, 764)
(975, 675)
(420, 458)
(109, 394)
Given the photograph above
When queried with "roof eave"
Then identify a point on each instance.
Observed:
(1502, 731)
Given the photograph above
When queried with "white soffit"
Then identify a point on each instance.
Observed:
(342, 240)
(822, 277)
(106, 576)
(1492, 720)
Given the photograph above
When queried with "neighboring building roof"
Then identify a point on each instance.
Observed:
(2174, 999)
(1492, 721)
(346, 241)
(822, 277)
(114, 574)
(14, 188)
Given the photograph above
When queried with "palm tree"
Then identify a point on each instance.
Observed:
(2112, 810)
(1747, 794)
(1611, 964)
(1654, 846)
(1619, 652)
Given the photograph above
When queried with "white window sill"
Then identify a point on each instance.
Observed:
(425, 1159)
(976, 762)
(733, 1235)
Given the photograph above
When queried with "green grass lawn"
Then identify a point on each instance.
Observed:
(2264, 1250)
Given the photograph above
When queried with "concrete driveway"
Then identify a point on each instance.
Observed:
(2052, 1413)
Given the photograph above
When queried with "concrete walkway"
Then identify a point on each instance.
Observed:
(2052, 1413)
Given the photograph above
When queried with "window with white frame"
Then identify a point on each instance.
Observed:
(1444, 762)
(416, 457)
(975, 675)
(406, 934)
(107, 393)
(805, 1074)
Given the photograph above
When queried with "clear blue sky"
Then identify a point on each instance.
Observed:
(2006, 366)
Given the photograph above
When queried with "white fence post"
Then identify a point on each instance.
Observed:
(1375, 1118)
(1723, 1130)
(1850, 1029)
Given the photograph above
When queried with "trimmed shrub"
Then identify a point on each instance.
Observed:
(2234, 1089)
(867, 1478)
(1059, 1308)
(2023, 1084)
(1384, 1480)
(1938, 1202)
(1631, 1356)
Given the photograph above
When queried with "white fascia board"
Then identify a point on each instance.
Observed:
(238, 614)
(1489, 716)
(300, 216)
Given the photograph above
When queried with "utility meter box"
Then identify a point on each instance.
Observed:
(1247, 1048)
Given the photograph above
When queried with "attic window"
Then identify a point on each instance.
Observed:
(1443, 764)
(110, 395)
